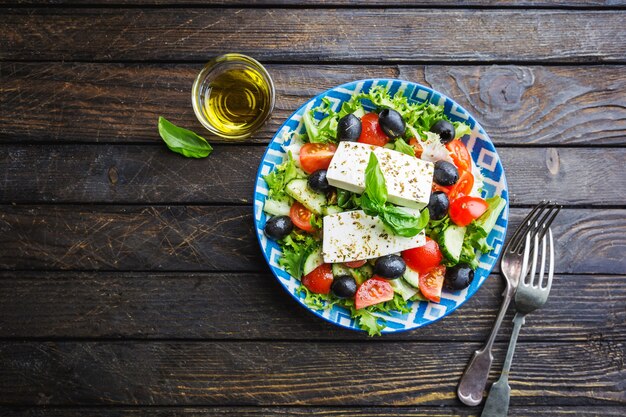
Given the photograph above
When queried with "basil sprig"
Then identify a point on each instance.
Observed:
(183, 141)
(374, 203)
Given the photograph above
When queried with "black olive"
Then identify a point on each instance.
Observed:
(344, 286)
(390, 266)
(349, 128)
(459, 277)
(318, 182)
(445, 130)
(445, 173)
(438, 205)
(278, 227)
(391, 123)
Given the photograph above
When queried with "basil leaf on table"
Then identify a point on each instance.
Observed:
(183, 141)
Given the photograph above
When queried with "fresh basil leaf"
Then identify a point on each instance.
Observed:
(403, 223)
(183, 141)
(375, 186)
(402, 146)
(371, 208)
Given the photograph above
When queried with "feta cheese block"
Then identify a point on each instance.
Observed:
(354, 236)
(409, 179)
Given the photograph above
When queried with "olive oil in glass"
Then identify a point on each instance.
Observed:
(233, 96)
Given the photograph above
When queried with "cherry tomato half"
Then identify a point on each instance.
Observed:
(460, 155)
(423, 258)
(417, 147)
(431, 283)
(373, 291)
(371, 132)
(314, 156)
(463, 186)
(355, 264)
(319, 280)
(301, 217)
(465, 209)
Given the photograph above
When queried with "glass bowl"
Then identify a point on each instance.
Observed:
(205, 83)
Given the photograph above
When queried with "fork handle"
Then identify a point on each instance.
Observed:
(497, 404)
(474, 379)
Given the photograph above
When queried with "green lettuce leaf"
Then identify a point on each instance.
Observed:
(405, 148)
(280, 176)
(296, 247)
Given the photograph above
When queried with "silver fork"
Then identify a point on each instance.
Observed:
(474, 379)
(532, 293)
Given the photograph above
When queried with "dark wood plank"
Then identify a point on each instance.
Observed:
(586, 308)
(297, 373)
(221, 238)
(153, 174)
(129, 237)
(328, 3)
(308, 35)
(420, 411)
(121, 103)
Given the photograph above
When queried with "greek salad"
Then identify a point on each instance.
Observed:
(373, 210)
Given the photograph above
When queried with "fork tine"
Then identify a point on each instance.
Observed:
(535, 249)
(527, 225)
(548, 222)
(551, 265)
(522, 275)
(542, 263)
(521, 231)
(540, 219)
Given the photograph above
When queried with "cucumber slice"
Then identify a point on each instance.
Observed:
(312, 261)
(340, 269)
(451, 242)
(401, 287)
(331, 210)
(412, 277)
(276, 207)
(299, 190)
(362, 274)
(418, 297)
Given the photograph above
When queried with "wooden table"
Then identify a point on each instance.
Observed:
(131, 282)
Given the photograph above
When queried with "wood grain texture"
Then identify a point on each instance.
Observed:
(412, 411)
(129, 237)
(328, 3)
(204, 238)
(153, 174)
(585, 308)
(87, 102)
(308, 35)
(297, 373)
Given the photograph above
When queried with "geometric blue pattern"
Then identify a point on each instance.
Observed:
(483, 154)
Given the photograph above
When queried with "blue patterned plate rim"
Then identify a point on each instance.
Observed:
(428, 312)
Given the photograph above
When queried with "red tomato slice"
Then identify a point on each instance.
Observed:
(465, 209)
(437, 187)
(460, 155)
(431, 283)
(423, 258)
(371, 132)
(463, 186)
(319, 280)
(373, 291)
(314, 156)
(417, 147)
(301, 217)
(355, 264)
